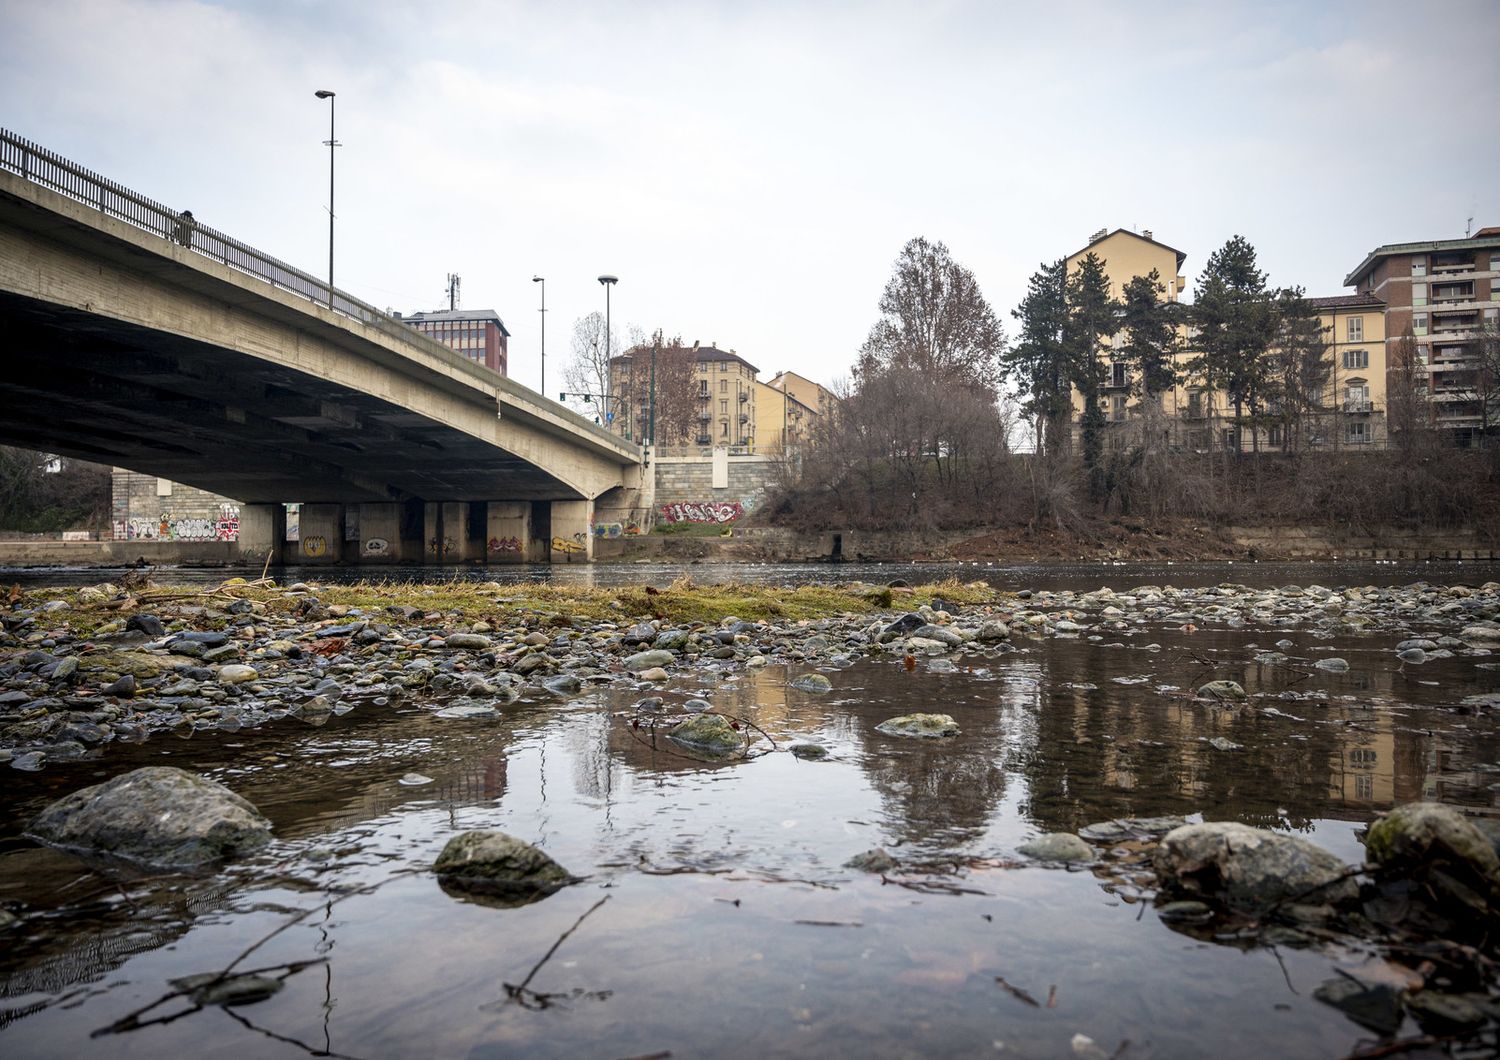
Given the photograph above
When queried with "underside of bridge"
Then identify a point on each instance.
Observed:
(95, 388)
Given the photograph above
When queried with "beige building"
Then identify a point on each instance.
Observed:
(789, 405)
(1353, 405)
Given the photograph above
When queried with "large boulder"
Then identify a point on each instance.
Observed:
(1237, 865)
(708, 732)
(924, 725)
(1435, 871)
(157, 816)
(494, 868)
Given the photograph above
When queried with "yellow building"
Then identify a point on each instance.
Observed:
(726, 398)
(1353, 406)
(787, 408)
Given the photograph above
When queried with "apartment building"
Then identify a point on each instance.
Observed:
(478, 334)
(1443, 292)
(724, 388)
(1352, 407)
(782, 422)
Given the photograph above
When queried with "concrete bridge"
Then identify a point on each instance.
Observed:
(133, 337)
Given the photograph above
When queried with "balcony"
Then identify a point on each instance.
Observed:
(1356, 407)
(744, 397)
(1452, 266)
(744, 418)
(705, 416)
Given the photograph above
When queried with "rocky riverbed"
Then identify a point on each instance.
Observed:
(83, 668)
(727, 740)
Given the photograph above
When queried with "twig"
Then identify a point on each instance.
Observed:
(829, 923)
(517, 990)
(931, 886)
(1017, 993)
(1400, 1045)
(232, 1014)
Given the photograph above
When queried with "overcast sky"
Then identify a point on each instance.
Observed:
(750, 171)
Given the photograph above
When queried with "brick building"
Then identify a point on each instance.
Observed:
(478, 334)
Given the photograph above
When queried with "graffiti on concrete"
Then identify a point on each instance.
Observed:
(629, 528)
(562, 544)
(702, 511)
(377, 546)
(505, 545)
(315, 546)
(441, 546)
(225, 526)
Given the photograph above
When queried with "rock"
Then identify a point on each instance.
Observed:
(1185, 912)
(1444, 1012)
(65, 670)
(208, 638)
(1332, 665)
(672, 639)
(494, 868)
(1221, 690)
(236, 674)
(1056, 846)
(124, 687)
(925, 725)
(873, 860)
(812, 683)
(467, 641)
(1377, 1007)
(215, 988)
(697, 706)
(1436, 872)
(647, 660)
(147, 624)
(654, 673)
(156, 816)
(907, 623)
(942, 635)
(1219, 743)
(992, 630)
(810, 751)
(1412, 655)
(1481, 633)
(562, 684)
(708, 732)
(414, 780)
(466, 710)
(1248, 867)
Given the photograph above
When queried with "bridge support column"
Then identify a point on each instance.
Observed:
(379, 534)
(509, 529)
(262, 533)
(572, 531)
(320, 533)
(447, 532)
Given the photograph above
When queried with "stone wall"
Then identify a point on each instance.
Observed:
(147, 508)
(692, 481)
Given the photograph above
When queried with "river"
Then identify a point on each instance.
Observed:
(731, 927)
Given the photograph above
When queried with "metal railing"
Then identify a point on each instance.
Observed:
(35, 163)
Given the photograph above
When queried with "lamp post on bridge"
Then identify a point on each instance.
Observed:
(542, 280)
(328, 94)
(607, 281)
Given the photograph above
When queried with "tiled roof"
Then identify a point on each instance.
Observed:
(1347, 301)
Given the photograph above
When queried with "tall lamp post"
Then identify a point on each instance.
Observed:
(326, 93)
(607, 282)
(543, 282)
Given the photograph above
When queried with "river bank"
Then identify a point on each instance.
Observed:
(371, 723)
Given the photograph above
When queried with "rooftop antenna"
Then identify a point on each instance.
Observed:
(1468, 228)
(453, 282)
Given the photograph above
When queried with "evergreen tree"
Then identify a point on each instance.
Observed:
(1092, 318)
(1150, 336)
(1037, 364)
(1299, 369)
(1235, 317)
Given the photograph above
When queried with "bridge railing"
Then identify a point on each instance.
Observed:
(49, 169)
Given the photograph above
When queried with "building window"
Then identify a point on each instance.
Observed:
(1419, 294)
(723, 386)
(1419, 266)
(1356, 329)
(724, 407)
(1118, 375)
(1419, 323)
(1422, 354)
(1356, 396)
(1357, 432)
(1356, 358)
(1491, 315)
(723, 428)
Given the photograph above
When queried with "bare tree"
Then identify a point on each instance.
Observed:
(676, 393)
(587, 371)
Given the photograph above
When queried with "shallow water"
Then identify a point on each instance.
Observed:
(731, 927)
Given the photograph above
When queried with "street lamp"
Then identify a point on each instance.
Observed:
(607, 281)
(326, 93)
(543, 282)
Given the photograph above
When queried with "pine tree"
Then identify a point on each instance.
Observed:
(1092, 318)
(1235, 317)
(1037, 364)
(1150, 336)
